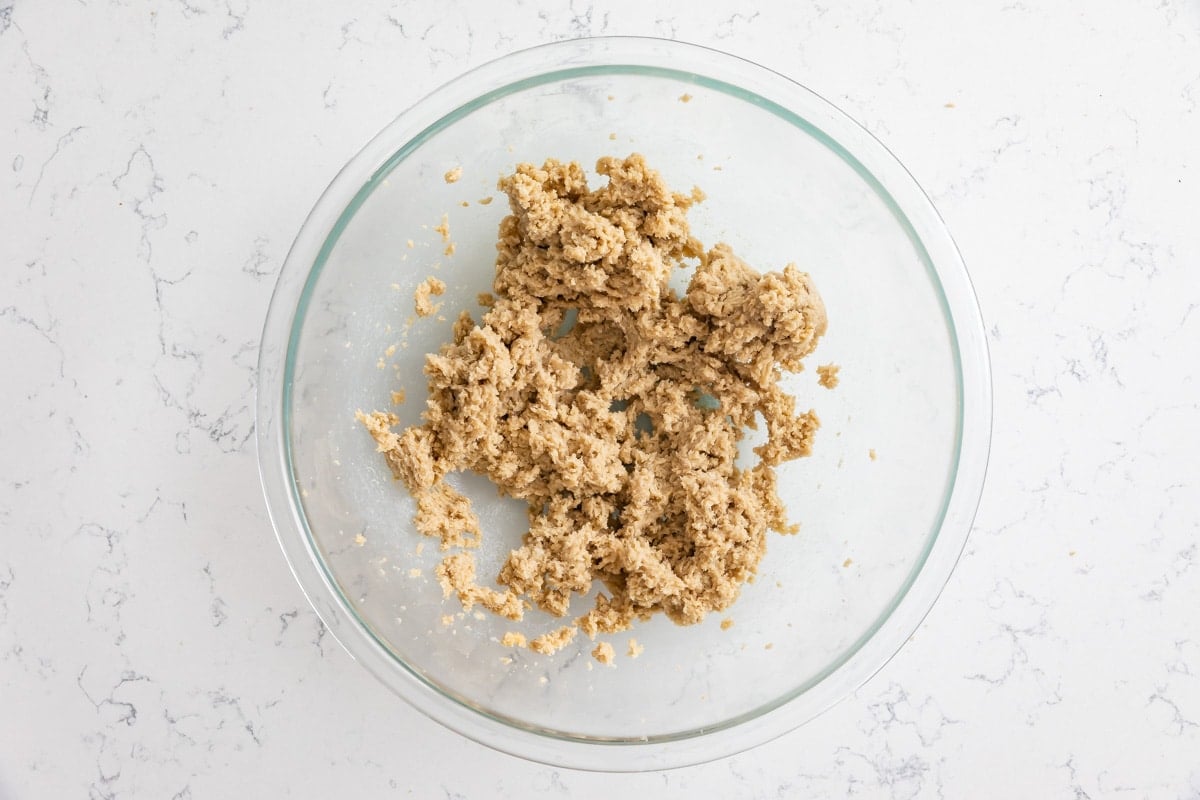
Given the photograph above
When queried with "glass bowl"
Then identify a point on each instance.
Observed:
(885, 502)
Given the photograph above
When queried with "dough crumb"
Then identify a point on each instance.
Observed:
(449, 249)
(847, 562)
(398, 397)
(768, 645)
(872, 454)
(415, 572)
(726, 624)
(431, 286)
(443, 228)
(465, 204)
(685, 98)
(603, 653)
(635, 649)
(485, 299)
(550, 643)
(828, 375)
(513, 639)
(453, 175)
(359, 539)
(612, 405)
(1071, 553)
(447, 619)
(485, 201)
(411, 244)
(612, 137)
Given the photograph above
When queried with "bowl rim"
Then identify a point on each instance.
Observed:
(779, 94)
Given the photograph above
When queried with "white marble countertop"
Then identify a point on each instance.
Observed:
(158, 158)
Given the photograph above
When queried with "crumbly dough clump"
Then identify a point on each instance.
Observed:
(513, 639)
(827, 375)
(612, 405)
(603, 652)
(426, 289)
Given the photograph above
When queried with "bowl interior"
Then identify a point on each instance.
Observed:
(869, 500)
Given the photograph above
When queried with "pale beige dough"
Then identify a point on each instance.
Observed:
(603, 652)
(427, 289)
(620, 430)
(513, 639)
(827, 375)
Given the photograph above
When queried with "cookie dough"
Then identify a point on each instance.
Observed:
(827, 375)
(612, 405)
(427, 289)
(604, 653)
(513, 639)
(554, 641)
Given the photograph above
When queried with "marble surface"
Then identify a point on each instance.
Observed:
(156, 160)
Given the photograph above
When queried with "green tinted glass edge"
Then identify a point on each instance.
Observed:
(466, 109)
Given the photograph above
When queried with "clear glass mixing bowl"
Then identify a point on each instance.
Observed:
(885, 502)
